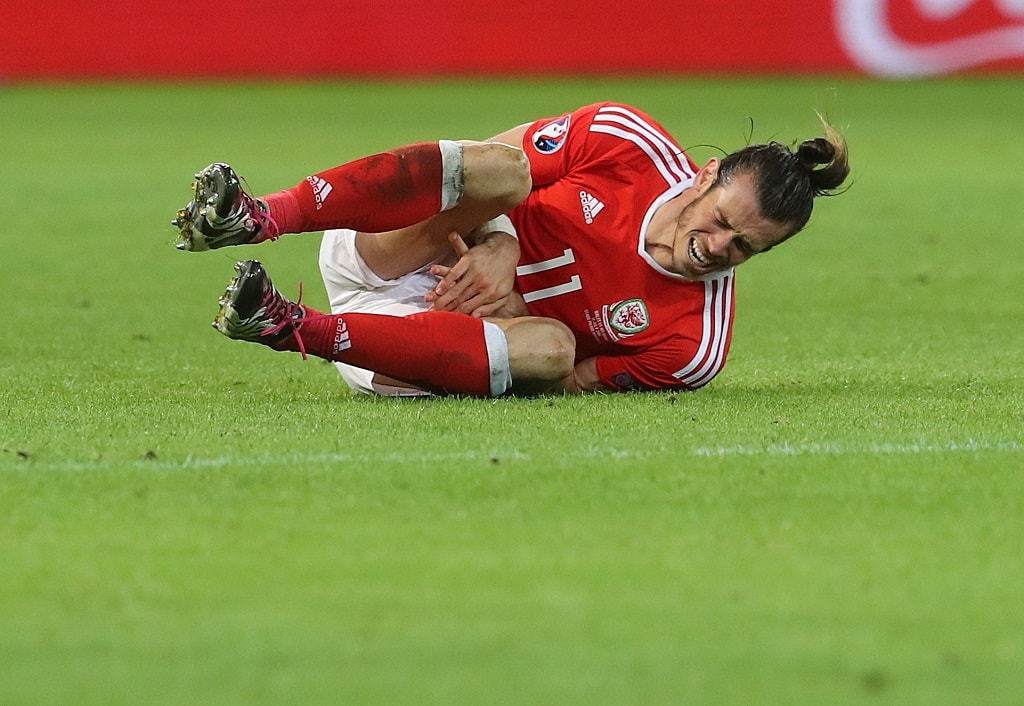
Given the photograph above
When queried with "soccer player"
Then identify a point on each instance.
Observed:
(613, 269)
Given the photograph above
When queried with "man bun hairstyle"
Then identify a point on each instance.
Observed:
(829, 151)
(788, 181)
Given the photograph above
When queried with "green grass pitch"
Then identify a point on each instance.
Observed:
(837, 519)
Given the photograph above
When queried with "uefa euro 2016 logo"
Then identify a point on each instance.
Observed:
(928, 37)
(550, 138)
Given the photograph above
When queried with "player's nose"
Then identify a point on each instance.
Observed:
(719, 241)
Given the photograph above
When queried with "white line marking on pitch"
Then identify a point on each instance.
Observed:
(773, 450)
(874, 449)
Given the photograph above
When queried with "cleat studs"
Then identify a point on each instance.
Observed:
(185, 243)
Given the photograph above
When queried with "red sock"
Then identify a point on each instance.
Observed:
(440, 351)
(374, 194)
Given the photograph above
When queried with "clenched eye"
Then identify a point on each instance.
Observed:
(745, 248)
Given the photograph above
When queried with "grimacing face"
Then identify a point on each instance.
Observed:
(722, 227)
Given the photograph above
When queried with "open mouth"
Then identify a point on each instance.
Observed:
(697, 256)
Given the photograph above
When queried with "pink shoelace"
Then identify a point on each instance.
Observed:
(288, 313)
(269, 229)
(292, 314)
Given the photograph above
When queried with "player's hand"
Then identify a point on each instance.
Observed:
(480, 282)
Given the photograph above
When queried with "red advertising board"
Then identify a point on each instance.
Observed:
(69, 39)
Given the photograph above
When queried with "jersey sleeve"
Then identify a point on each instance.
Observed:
(555, 145)
(552, 145)
(655, 369)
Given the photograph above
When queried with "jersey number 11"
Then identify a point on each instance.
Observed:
(564, 260)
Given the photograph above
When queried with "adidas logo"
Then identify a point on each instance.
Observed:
(591, 206)
(321, 190)
(341, 338)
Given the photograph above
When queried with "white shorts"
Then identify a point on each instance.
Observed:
(354, 287)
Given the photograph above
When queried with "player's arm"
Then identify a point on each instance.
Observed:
(584, 378)
(512, 137)
(495, 179)
(649, 370)
(481, 281)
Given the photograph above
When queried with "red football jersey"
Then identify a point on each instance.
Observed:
(599, 175)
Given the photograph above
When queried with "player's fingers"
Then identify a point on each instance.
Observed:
(472, 304)
(458, 244)
(450, 276)
(439, 271)
(453, 297)
(486, 310)
(456, 274)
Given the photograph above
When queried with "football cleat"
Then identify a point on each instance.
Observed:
(221, 213)
(251, 309)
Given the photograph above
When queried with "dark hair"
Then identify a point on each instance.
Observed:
(788, 181)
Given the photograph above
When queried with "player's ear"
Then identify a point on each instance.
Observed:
(707, 175)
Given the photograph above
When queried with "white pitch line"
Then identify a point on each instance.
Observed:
(873, 449)
(828, 449)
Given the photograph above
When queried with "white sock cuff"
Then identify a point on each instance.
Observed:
(497, 357)
(453, 178)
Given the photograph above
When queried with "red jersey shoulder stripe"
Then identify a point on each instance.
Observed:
(626, 124)
(716, 321)
(664, 142)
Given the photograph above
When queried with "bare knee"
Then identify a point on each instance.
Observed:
(542, 351)
(496, 173)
